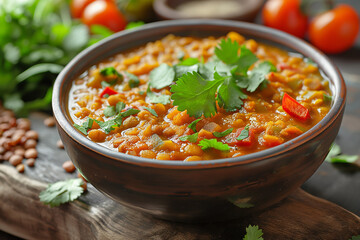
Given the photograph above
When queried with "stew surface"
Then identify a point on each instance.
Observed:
(191, 99)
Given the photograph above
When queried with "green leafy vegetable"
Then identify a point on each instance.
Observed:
(152, 111)
(133, 80)
(107, 126)
(37, 39)
(192, 125)
(229, 95)
(244, 133)
(327, 98)
(105, 84)
(196, 95)
(213, 143)
(189, 62)
(157, 98)
(119, 107)
(253, 233)
(355, 237)
(111, 111)
(191, 138)
(85, 126)
(62, 192)
(129, 112)
(162, 76)
(258, 74)
(335, 156)
(223, 134)
(227, 51)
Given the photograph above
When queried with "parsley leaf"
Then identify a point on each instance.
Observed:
(133, 80)
(162, 76)
(152, 111)
(223, 134)
(85, 126)
(62, 192)
(192, 125)
(213, 143)
(253, 233)
(191, 138)
(195, 94)
(157, 98)
(244, 133)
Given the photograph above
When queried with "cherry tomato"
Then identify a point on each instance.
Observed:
(104, 13)
(285, 15)
(335, 31)
(77, 7)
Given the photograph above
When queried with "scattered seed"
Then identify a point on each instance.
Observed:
(60, 144)
(31, 153)
(69, 166)
(15, 160)
(31, 134)
(30, 143)
(50, 122)
(30, 162)
(20, 168)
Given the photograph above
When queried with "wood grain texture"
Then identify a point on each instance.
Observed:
(22, 214)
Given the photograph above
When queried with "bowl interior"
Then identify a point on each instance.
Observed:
(129, 39)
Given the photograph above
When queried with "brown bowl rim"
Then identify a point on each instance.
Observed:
(337, 85)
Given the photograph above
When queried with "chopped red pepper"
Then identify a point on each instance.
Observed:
(109, 91)
(247, 142)
(294, 109)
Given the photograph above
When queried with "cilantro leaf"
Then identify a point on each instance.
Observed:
(110, 71)
(213, 143)
(119, 107)
(327, 98)
(196, 95)
(152, 111)
(107, 126)
(245, 60)
(105, 84)
(158, 98)
(184, 69)
(258, 74)
(192, 125)
(355, 237)
(223, 134)
(129, 112)
(109, 111)
(227, 51)
(191, 138)
(230, 95)
(162, 76)
(189, 62)
(335, 156)
(85, 126)
(253, 233)
(244, 133)
(62, 192)
(133, 80)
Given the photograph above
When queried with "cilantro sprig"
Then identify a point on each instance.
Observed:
(222, 80)
(335, 156)
(62, 192)
(213, 143)
(84, 128)
(253, 233)
(223, 134)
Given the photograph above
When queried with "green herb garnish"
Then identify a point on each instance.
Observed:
(244, 133)
(335, 156)
(132, 25)
(111, 111)
(110, 72)
(133, 80)
(152, 111)
(192, 125)
(213, 143)
(223, 134)
(327, 98)
(253, 233)
(62, 192)
(157, 98)
(84, 128)
(161, 76)
(191, 138)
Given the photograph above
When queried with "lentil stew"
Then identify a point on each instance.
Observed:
(159, 101)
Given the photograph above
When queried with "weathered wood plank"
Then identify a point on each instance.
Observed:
(22, 214)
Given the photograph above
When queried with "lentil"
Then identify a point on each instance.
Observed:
(69, 166)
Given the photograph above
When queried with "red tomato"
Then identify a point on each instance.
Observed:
(285, 15)
(77, 7)
(335, 31)
(104, 13)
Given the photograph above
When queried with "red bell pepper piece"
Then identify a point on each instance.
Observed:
(108, 91)
(294, 109)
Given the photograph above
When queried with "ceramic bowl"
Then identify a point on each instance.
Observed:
(204, 190)
(240, 10)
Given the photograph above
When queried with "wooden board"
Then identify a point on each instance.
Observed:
(95, 216)
(298, 217)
